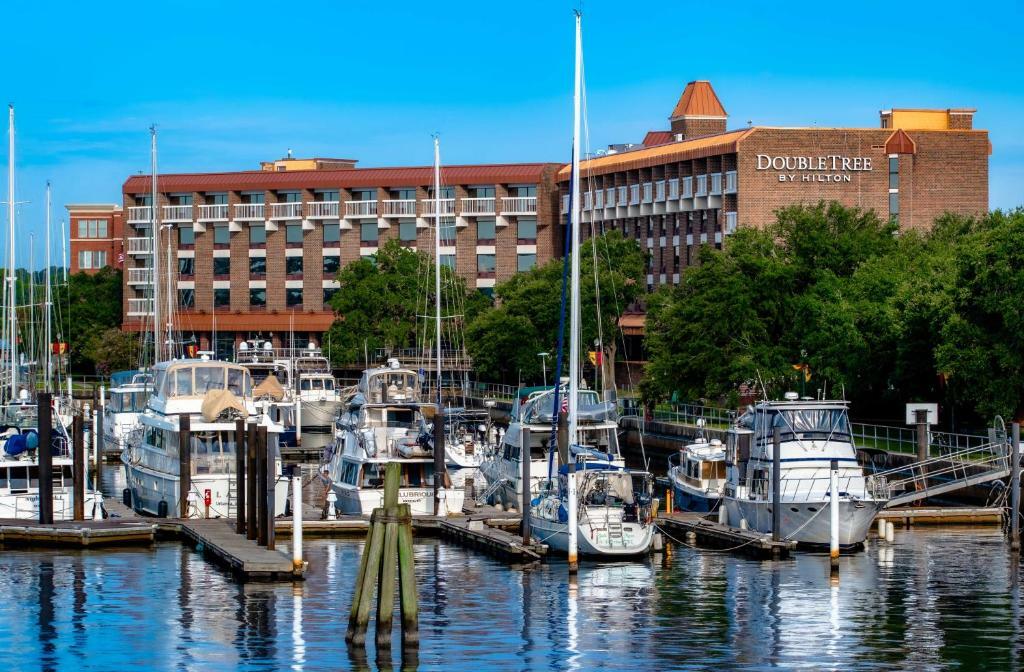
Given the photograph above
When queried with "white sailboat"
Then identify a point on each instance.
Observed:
(615, 516)
(19, 436)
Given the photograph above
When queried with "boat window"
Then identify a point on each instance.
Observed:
(328, 384)
(399, 417)
(318, 384)
(161, 375)
(304, 384)
(183, 381)
(209, 378)
(235, 378)
(372, 476)
(19, 479)
(3, 479)
(139, 401)
(814, 422)
(33, 477)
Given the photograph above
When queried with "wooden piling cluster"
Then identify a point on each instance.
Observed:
(388, 545)
(254, 486)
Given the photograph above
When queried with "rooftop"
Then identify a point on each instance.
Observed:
(698, 100)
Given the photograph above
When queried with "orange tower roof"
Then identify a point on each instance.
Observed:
(698, 100)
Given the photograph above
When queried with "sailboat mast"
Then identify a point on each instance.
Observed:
(12, 306)
(155, 233)
(574, 304)
(32, 301)
(437, 261)
(48, 300)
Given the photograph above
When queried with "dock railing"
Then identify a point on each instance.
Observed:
(904, 439)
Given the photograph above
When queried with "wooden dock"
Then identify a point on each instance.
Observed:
(712, 533)
(80, 534)
(909, 516)
(476, 533)
(216, 538)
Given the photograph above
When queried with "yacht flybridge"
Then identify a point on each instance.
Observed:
(213, 395)
(813, 435)
(383, 421)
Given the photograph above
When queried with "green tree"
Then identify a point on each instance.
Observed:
(88, 305)
(112, 350)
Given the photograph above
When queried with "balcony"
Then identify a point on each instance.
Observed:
(588, 200)
(213, 213)
(281, 211)
(177, 213)
(477, 206)
(620, 198)
(702, 186)
(355, 209)
(405, 207)
(140, 307)
(519, 205)
(140, 214)
(565, 204)
(249, 212)
(648, 192)
(140, 276)
(634, 194)
(687, 188)
(716, 184)
(609, 197)
(447, 207)
(140, 245)
(599, 199)
(322, 210)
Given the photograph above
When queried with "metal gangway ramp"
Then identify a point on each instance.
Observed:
(946, 473)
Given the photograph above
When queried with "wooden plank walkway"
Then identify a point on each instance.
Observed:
(716, 535)
(249, 561)
(920, 515)
(81, 534)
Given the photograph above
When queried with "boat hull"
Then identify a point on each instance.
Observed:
(149, 488)
(807, 523)
(685, 499)
(590, 541)
(25, 505)
(362, 501)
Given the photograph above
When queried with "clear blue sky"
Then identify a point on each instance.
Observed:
(233, 83)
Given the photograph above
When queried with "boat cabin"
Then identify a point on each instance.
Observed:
(19, 478)
(194, 378)
(390, 385)
(362, 475)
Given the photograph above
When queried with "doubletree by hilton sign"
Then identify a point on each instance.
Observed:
(830, 168)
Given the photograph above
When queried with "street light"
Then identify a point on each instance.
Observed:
(544, 365)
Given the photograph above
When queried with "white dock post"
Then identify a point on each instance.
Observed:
(890, 532)
(297, 518)
(833, 545)
(332, 513)
(95, 437)
(881, 529)
(298, 419)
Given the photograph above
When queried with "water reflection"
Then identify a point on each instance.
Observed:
(933, 600)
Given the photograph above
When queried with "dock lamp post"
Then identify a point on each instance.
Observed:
(544, 365)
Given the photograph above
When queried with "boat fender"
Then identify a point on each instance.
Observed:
(161, 509)
(32, 439)
(126, 497)
(563, 514)
(743, 523)
(723, 514)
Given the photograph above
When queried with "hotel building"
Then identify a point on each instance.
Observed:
(258, 252)
(693, 184)
(97, 236)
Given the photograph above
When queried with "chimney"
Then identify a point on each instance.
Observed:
(698, 112)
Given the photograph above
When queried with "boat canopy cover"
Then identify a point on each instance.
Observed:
(269, 387)
(120, 378)
(590, 452)
(217, 402)
(17, 444)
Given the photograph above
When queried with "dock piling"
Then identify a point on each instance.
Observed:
(833, 511)
(240, 476)
(1015, 487)
(78, 466)
(45, 452)
(439, 443)
(184, 463)
(525, 507)
(407, 578)
(777, 484)
(100, 443)
(921, 419)
(389, 560)
(261, 486)
(297, 518)
(252, 477)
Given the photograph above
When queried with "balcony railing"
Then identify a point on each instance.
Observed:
(599, 199)
(361, 209)
(620, 198)
(447, 207)
(478, 206)
(634, 194)
(659, 191)
(687, 188)
(588, 200)
(177, 213)
(286, 210)
(213, 213)
(322, 210)
(648, 192)
(140, 214)
(140, 276)
(673, 189)
(730, 182)
(609, 197)
(140, 245)
(139, 307)
(405, 207)
(519, 205)
(702, 186)
(248, 212)
(716, 184)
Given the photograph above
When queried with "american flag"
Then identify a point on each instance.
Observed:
(565, 403)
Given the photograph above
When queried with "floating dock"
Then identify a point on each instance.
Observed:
(921, 515)
(216, 538)
(86, 533)
(715, 535)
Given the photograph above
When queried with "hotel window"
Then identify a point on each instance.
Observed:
(253, 197)
(894, 204)
(92, 228)
(181, 199)
(186, 266)
(329, 293)
(293, 297)
(522, 192)
(403, 194)
(221, 236)
(331, 265)
(894, 172)
(258, 297)
(407, 230)
(485, 231)
(94, 259)
(144, 199)
(257, 266)
(446, 192)
(526, 230)
(525, 262)
(222, 298)
(486, 291)
(293, 266)
(216, 199)
(448, 231)
(221, 266)
(448, 260)
(481, 192)
(332, 234)
(327, 195)
(186, 237)
(293, 235)
(368, 234)
(257, 236)
(364, 195)
(485, 264)
(289, 197)
(187, 298)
